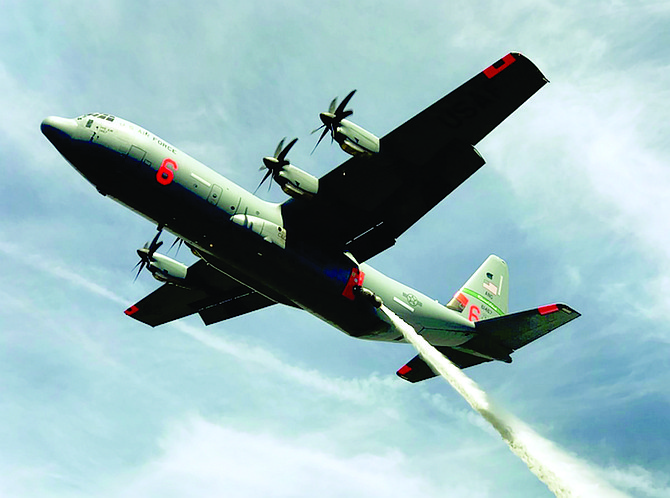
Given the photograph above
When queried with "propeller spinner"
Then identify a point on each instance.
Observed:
(277, 162)
(333, 117)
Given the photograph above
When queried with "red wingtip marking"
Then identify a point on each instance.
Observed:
(499, 66)
(545, 310)
(405, 369)
(132, 310)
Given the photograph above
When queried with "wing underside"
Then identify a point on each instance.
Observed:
(366, 203)
(206, 291)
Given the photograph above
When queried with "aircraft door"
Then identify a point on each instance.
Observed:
(215, 195)
(136, 153)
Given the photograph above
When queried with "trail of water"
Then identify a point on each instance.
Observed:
(564, 475)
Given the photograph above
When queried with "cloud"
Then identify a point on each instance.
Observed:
(638, 481)
(200, 458)
(573, 196)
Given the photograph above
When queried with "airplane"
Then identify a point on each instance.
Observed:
(310, 251)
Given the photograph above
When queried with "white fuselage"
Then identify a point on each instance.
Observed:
(240, 234)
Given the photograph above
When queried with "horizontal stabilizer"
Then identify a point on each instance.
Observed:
(518, 329)
(497, 338)
(417, 369)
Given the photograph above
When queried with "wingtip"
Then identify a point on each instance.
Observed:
(132, 310)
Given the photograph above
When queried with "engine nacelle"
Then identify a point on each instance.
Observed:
(271, 232)
(297, 183)
(166, 269)
(355, 140)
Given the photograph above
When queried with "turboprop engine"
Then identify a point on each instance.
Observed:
(355, 140)
(292, 180)
(352, 138)
(163, 268)
(166, 269)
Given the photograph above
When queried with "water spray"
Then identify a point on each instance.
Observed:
(564, 475)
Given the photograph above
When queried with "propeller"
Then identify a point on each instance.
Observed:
(146, 254)
(277, 162)
(177, 240)
(333, 117)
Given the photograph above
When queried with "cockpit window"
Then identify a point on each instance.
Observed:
(107, 117)
(89, 123)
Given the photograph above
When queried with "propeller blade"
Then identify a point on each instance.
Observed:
(267, 175)
(314, 131)
(320, 138)
(331, 107)
(343, 104)
(155, 244)
(178, 239)
(283, 153)
(141, 264)
(279, 147)
(154, 249)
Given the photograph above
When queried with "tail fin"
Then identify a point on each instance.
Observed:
(485, 294)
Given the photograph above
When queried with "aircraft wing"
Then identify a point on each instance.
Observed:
(363, 205)
(207, 291)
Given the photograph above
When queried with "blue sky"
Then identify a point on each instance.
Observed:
(574, 197)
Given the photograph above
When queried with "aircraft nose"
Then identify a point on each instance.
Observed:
(56, 129)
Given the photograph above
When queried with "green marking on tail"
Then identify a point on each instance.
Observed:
(483, 299)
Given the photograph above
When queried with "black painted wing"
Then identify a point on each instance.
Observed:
(367, 202)
(206, 290)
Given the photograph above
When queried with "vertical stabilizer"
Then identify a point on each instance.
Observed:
(485, 294)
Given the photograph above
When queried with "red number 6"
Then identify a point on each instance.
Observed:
(165, 175)
(474, 314)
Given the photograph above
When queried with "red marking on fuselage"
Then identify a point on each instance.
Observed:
(165, 175)
(355, 280)
(545, 310)
(499, 66)
(132, 310)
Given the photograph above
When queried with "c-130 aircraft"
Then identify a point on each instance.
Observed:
(309, 252)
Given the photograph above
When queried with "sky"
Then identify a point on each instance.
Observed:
(277, 403)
